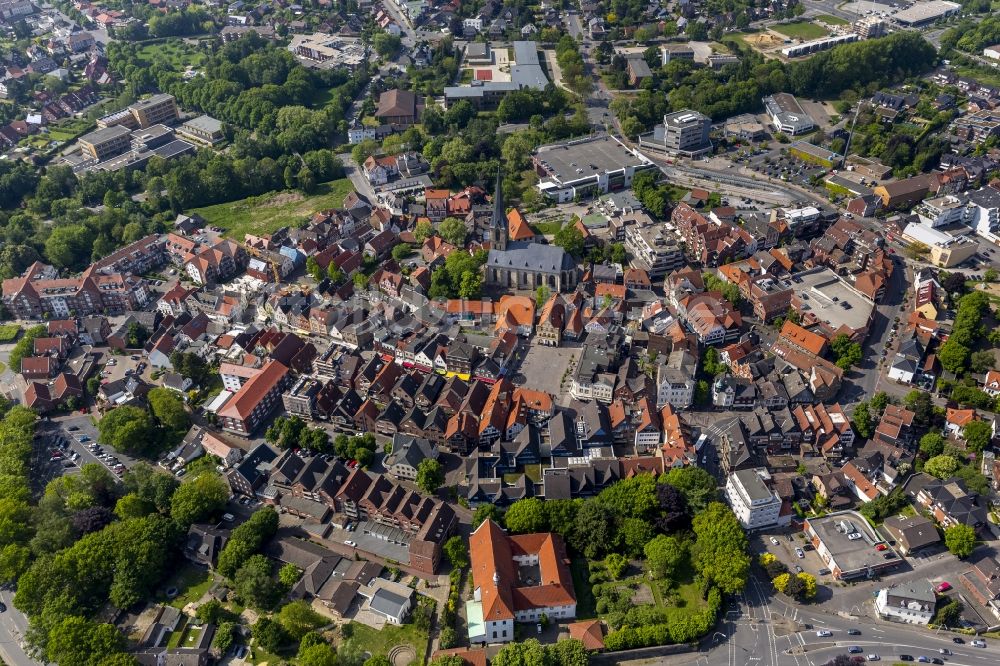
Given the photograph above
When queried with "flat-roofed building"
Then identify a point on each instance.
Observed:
(822, 298)
(755, 505)
(106, 142)
(587, 167)
(161, 108)
(846, 543)
(787, 115)
(205, 129)
(682, 133)
(656, 247)
(922, 13)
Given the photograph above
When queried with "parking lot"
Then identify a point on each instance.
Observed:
(75, 439)
(934, 564)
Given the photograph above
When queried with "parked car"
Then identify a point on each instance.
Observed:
(853, 632)
(798, 569)
(824, 633)
(978, 643)
(774, 541)
(874, 657)
(943, 587)
(906, 657)
(350, 543)
(800, 553)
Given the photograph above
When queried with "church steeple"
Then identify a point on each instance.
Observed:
(499, 233)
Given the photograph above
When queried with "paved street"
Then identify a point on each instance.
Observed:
(13, 625)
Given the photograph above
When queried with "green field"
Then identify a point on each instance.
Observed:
(831, 20)
(268, 212)
(175, 53)
(800, 30)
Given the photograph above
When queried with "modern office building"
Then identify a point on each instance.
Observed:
(682, 133)
(586, 167)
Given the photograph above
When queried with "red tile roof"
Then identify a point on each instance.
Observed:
(242, 404)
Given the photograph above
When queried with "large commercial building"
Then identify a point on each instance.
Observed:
(516, 579)
(586, 167)
(922, 13)
(755, 505)
(847, 545)
(682, 133)
(787, 115)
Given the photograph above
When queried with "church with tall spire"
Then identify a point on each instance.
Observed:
(524, 265)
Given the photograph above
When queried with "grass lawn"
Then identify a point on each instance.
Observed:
(365, 639)
(269, 212)
(800, 30)
(830, 20)
(547, 228)
(9, 332)
(191, 581)
(177, 54)
(586, 606)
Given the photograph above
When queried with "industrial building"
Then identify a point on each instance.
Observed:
(525, 73)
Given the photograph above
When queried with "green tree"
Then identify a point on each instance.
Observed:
(313, 268)
(932, 444)
(720, 548)
(593, 530)
(542, 294)
(863, 420)
(570, 239)
(453, 231)
(246, 540)
(225, 636)
(268, 634)
(168, 408)
(298, 618)
(696, 484)
(198, 499)
(289, 575)
(254, 584)
(729, 290)
(960, 539)
(526, 516)
(430, 475)
(457, 552)
(846, 353)
(487, 512)
(321, 654)
(941, 466)
(401, 251)
(130, 430)
(423, 230)
(471, 286)
(616, 564)
(664, 554)
(977, 435)
(953, 356)
(334, 273)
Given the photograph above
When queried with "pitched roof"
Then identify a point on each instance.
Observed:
(242, 404)
(517, 226)
(588, 632)
(802, 338)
